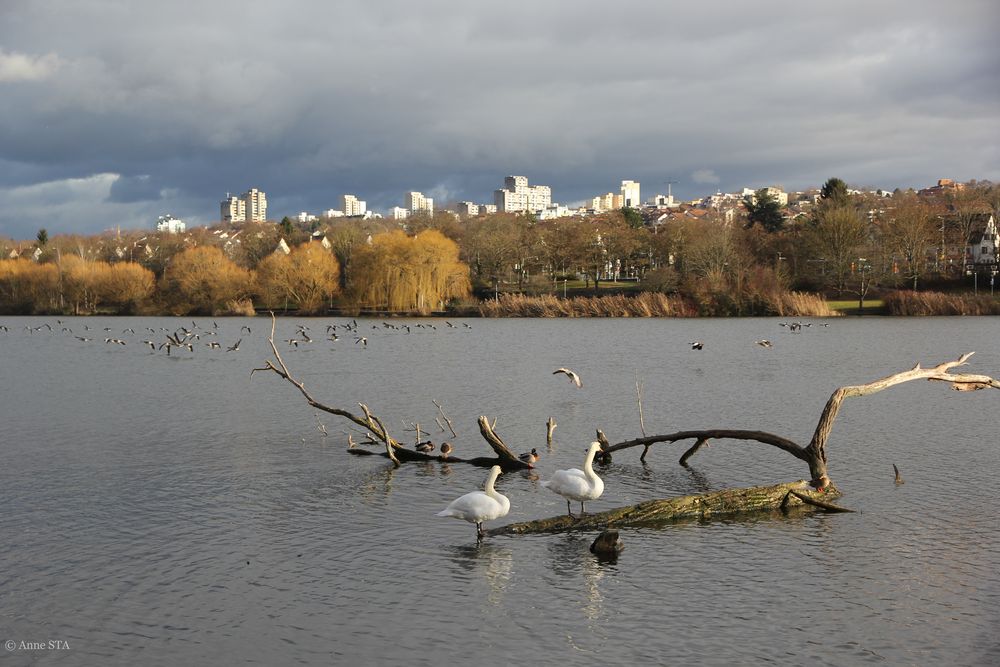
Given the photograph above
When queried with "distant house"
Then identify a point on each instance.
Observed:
(984, 241)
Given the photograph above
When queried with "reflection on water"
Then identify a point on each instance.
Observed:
(492, 561)
(136, 487)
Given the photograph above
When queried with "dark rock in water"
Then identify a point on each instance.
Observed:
(607, 544)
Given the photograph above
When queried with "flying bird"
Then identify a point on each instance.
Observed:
(573, 377)
(235, 346)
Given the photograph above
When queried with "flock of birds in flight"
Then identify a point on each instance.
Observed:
(189, 337)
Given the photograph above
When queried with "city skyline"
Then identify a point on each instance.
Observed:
(120, 115)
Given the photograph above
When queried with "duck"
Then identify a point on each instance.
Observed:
(763, 343)
(529, 457)
(697, 345)
(479, 506)
(576, 484)
(425, 447)
(445, 449)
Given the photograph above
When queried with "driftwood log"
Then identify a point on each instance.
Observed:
(653, 512)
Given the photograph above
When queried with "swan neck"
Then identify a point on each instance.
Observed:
(588, 464)
(490, 491)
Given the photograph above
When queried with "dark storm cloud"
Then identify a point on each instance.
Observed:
(179, 103)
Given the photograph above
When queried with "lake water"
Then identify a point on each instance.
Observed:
(163, 510)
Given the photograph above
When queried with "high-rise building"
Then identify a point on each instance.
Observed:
(233, 209)
(630, 195)
(354, 206)
(519, 197)
(255, 202)
(416, 202)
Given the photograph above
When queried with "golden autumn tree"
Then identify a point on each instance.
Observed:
(203, 280)
(397, 272)
(80, 283)
(307, 277)
(28, 287)
(124, 285)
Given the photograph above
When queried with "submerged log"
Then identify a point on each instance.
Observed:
(719, 503)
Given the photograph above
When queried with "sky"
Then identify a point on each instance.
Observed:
(113, 112)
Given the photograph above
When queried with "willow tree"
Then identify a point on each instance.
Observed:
(125, 285)
(397, 272)
(204, 280)
(307, 277)
(27, 286)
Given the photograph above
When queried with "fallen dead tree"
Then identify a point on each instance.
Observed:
(377, 430)
(728, 502)
(815, 453)
(816, 492)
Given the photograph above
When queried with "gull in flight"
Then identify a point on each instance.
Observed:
(573, 377)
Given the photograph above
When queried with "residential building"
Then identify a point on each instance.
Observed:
(468, 209)
(255, 202)
(487, 209)
(519, 197)
(399, 213)
(233, 209)
(170, 224)
(353, 206)
(333, 213)
(630, 195)
(416, 202)
(305, 216)
(779, 195)
(984, 241)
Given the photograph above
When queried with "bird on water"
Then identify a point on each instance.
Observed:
(529, 457)
(573, 377)
(697, 345)
(479, 506)
(576, 484)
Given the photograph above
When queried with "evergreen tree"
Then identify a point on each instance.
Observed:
(764, 209)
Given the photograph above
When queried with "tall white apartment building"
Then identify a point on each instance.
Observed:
(416, 202)
(519, 197)
(233, 209)
(255, 202)
(354, 206)
(399, 213)
(630, 194)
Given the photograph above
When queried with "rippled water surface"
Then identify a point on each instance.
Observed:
(163, 510)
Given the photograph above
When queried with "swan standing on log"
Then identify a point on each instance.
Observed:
(576, 484)
(479, 506)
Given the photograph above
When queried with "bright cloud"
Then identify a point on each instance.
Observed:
(23, 67)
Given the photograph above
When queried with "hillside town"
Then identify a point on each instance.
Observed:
(737, 253)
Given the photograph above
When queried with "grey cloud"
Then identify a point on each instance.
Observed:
(379, 98)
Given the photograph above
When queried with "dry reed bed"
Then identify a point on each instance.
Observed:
(936, 303)
(645, 304)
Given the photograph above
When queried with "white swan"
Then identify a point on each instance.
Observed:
(575, 484)
(480, 506)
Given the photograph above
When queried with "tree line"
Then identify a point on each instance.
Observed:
(726, 262)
